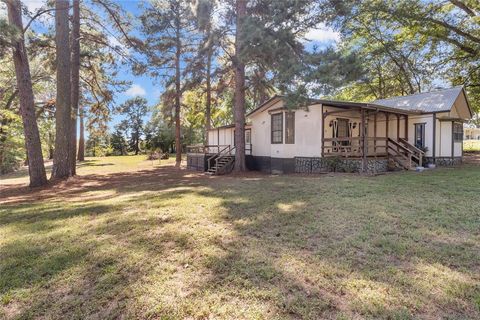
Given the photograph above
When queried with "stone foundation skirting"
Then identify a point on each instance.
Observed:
(445, 161)
(319, 165)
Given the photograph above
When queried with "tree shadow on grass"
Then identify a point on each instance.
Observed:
(283, 247)
(323, 264)
(82, 272)
(124, 182)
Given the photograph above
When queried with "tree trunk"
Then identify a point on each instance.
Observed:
(81, 139)
(50, 145)
(178, 145)
(239, 106)
(36, 168)
(63, 118)
(137, 142)
(209, 86)
(75, 83)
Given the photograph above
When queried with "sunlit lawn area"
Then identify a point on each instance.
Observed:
(129, 238)
(471, 145)
(91, 165)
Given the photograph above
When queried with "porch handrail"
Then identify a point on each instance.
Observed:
(218, 154)
(407, 156)
(398, 145)
(411, 146)
(418, 153)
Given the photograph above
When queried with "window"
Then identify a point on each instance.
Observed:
(290, 127)
(420, 135)
(277, 128)
(248, 136)
(457, 132)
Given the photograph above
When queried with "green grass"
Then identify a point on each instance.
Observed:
(134, 240)
(98, 165)
(471, 145)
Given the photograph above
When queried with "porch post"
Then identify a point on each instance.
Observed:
(323, 130)
(434, 153)
(387, 116)
(406, 127)
(387, 119)
(362, 141)
(375, 133)
(453, 142)
(398, 126)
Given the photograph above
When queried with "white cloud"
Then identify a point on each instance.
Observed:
(322, 34)
(34, 5)
(135, 90)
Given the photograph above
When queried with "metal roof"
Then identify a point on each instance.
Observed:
(427, 102)
(434, 101)
(341, 104)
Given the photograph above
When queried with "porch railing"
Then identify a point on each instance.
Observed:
(352, 147)
(401, 150)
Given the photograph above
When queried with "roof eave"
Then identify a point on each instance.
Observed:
(263, 104)
(468, 102)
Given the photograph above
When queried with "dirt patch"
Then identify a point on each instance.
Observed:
(471, 158)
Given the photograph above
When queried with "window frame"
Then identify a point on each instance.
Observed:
(248, 133)
(423, 126)
(292, 119)
(457, 135)
(272, 117)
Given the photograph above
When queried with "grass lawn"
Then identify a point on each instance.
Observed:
(471, 145)
(129, 238)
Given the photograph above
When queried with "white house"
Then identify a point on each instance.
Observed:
(472, 133)
(329, 135)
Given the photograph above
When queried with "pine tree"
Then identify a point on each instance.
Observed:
(239, 66)
(81, 139)
(168, 26)
(117, 141)
(75, 83)
(265, 42)
(134, 110)
(61, 158)
(36, 167)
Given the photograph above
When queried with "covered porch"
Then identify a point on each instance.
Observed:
(363, 131)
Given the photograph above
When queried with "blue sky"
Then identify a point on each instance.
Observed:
(150, 88)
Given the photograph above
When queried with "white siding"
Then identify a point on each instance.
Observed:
(261, 133)
(445, 143)
(308, 141)
(428, 120)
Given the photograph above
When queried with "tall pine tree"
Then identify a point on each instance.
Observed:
(61, 157)
(170, 40)
(36, 167)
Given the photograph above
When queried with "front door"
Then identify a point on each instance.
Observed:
(342, 130)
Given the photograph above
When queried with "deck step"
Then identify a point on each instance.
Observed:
(220, 164)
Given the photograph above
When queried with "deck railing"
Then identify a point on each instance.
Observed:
(214, 148)
(205, 149)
